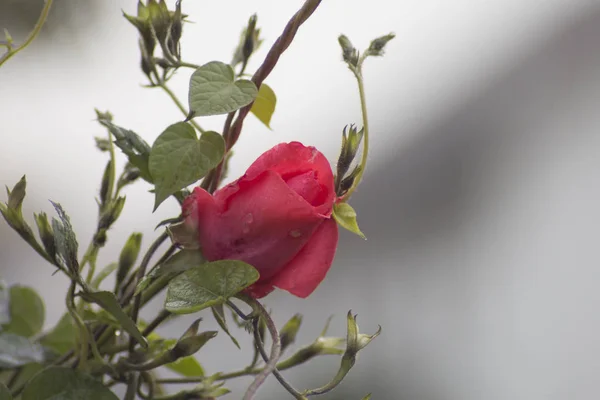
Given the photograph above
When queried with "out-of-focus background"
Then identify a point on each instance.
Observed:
(480, 202)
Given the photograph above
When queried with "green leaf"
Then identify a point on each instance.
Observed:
(4, 392)
(103, 274)
(176, 264)
(58, 383)
(186, 366)
(178, 158)
(208, 285)
(62, 337)
(213, 90)
(108, 301)
(219, 314)
(345, 216)
(16, 351)
(27, 312)
(65, 239)
(4, 304)
(264, 105)
(132, 145)
(367, 397)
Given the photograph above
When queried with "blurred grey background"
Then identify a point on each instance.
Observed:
(480, 202)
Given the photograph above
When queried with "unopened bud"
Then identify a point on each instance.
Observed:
(111, 213)
(105, 187)
(46, 233)
(102, 144)
(17, 195)
(249, 42)
(175, 31)
(128, 256)
(349, 52)
(377, 46)
(130, 174)
(357, 341)
(289, 331)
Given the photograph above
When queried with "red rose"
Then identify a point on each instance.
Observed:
(276, 217)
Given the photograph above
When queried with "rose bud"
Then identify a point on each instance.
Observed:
(276, 217)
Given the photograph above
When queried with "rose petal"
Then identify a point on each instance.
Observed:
(308, 269)
(292, 159)
(264, 223)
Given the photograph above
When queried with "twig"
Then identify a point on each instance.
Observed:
(140, 274)
(36, 30)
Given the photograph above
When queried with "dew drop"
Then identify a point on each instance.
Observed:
(248, 219)
(295, 233)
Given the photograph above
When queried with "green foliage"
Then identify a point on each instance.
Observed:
(178, 158)
(264, 104)
(16, 351)
(27, 312)
(345, 216)
(207, 285)
(4, 392)
(108, 301)
(100, 340)
(214, 90)
(56, 383)
(62, 337)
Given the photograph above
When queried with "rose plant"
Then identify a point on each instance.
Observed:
(276, 226)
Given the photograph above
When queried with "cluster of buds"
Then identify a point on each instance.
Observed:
(160, 26)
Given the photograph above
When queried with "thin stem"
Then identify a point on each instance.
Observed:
(271, 361)
(140, 274)
(84, 336)
(179, 105)
(363, 104)
(36, 30)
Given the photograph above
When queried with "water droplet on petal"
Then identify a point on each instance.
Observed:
(248, 219)
(295, 233)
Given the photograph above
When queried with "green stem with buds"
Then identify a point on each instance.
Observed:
(36, 30)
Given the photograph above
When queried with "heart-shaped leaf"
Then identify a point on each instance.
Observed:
(178, 158)
(16, 351)
(26, 312)
(213, 90)
(65, 384)
(264, 105)
(177, 263)
(208, 284)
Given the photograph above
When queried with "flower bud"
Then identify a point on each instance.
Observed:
(111, 213)
(355, 342)
(323, 345)
(175, 31)
(377, 46)
(105, 187)
(349, 52)
(46, 233)
(17, 195)
(289, 331)
(12, 211)
(128, 256)
(249, 43)
(102, 144)
(130, 174)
